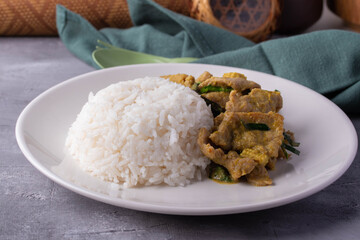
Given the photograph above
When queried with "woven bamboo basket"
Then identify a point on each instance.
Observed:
(37, 17)
(253, 19)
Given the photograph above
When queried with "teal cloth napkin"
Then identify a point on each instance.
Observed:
(325, 61)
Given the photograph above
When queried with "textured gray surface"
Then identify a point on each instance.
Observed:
(33, 207)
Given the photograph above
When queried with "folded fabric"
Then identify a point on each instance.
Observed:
(325, 61)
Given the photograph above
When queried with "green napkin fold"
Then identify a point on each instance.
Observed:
(325, 61)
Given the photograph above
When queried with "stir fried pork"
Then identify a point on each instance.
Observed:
(220, 98)
(233, 142)
(257, 100)
(226, 85)
(204, 76)
(239, 84)
(232, 134)
(234, 75)
(236, 165)
(259, 176)
(240, 149)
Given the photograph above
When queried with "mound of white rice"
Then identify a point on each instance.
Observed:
(141, 132)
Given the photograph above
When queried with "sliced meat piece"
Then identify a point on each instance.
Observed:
(220, 98)
(234, 75)
(231, 134)
(259, 176)
(239, 84)
(204, 76)
(183, 79)
(236, 165)
(218, 120)
(257, 100)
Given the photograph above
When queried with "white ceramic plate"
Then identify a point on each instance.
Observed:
(328, 146)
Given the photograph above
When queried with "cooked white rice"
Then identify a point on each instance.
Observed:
(141, 132)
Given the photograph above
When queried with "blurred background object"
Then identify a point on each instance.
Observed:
(37, 17)
(256, 20)
(298, 15)
(348, 10)
(253, 19)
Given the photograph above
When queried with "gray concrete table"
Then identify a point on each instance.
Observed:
(34, 207)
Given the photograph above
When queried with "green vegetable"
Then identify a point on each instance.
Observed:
(289, 144)
(290, 148)
(216, 109)
(285, 152)
(219, 173)
(256, 126)
(195, 86)
(288, 138)
(211, 88)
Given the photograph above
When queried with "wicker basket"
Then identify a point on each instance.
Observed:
(37, 17)
(253, 19)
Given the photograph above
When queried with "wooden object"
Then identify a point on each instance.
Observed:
(298, 15)
(348, 10)
(37, 17)
(253, 19)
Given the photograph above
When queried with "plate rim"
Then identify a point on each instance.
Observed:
(175, 210)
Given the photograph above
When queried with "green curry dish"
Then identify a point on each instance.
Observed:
(216, 109)
(211, 88)
(219, 173)
(256, 126)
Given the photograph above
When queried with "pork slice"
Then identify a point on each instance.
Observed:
(204, 76)
(236, 165)
(259, 176)
(231, 134)
(239, 84)
(257, 100)
(220, 98)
